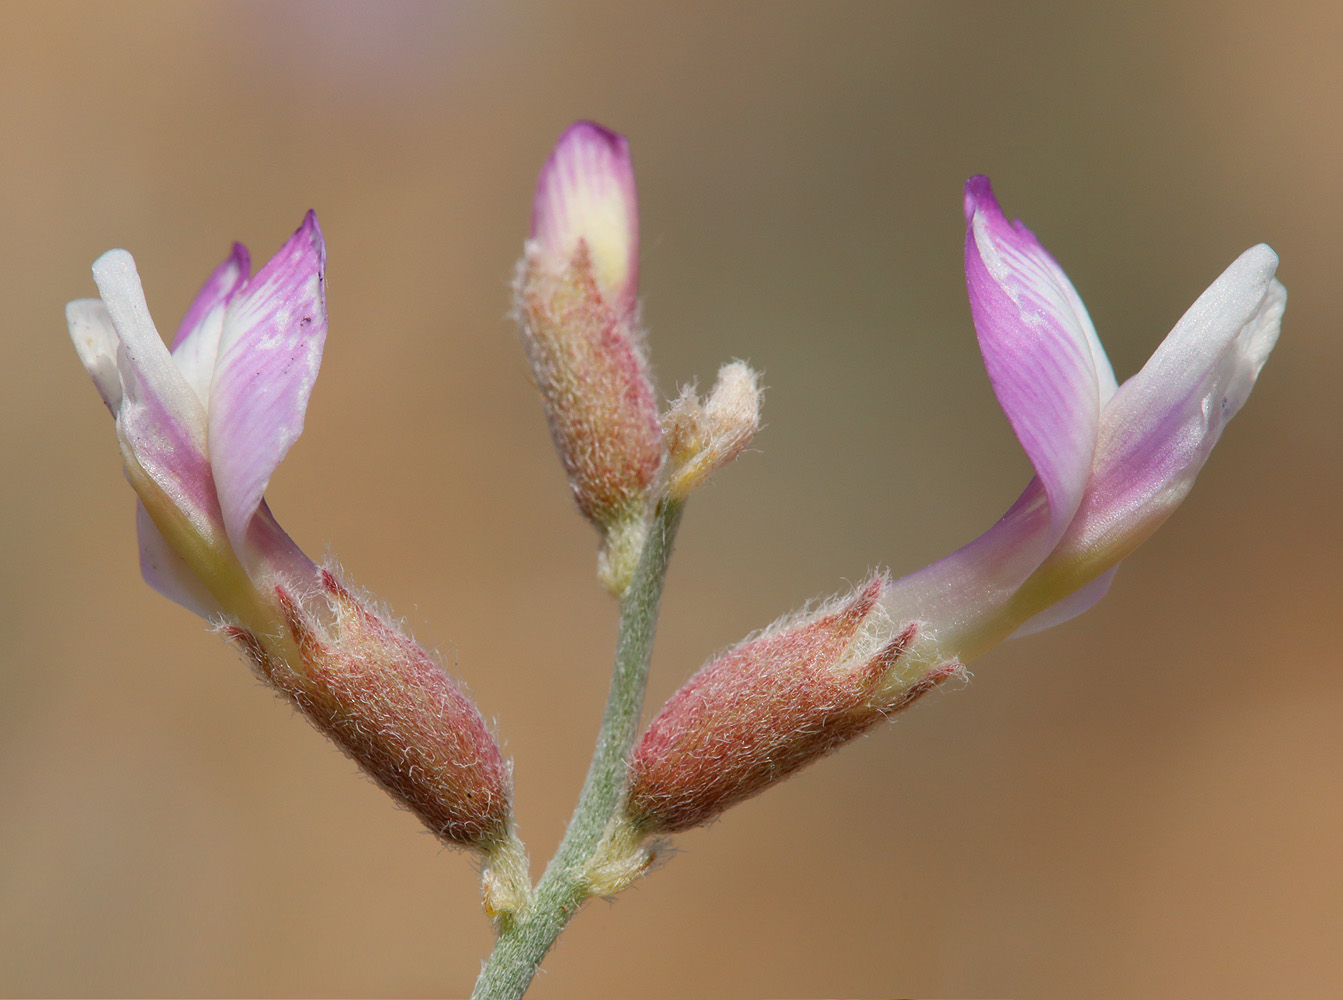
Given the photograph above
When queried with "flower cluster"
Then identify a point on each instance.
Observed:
(203, 425)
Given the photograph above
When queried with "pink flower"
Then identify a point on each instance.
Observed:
(1112, 462)
(201, 430)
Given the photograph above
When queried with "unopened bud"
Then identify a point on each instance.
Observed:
(575, 300)
(701, 438)
(771, 705)
(390, 707)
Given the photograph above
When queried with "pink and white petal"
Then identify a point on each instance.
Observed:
(168, 573)
(269, 353)
(197, 341)
(1070, 607)
(277, 557)
(1162, 424)
(147, 369)
(160, 421)
(230, 275)
(1043, 357)
(586, 192)
(96, 341)
(963, 600)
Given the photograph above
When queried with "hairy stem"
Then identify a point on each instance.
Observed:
(524, 941)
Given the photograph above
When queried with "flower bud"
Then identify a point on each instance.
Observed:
(772, 705)
(575, 302)
(701, 438)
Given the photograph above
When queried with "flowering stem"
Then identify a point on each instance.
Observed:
(525, 940)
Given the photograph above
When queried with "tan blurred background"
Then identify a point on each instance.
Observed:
(1146, 801)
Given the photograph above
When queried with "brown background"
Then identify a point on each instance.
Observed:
(1146, 801)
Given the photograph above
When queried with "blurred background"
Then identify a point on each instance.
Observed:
(1145, 801)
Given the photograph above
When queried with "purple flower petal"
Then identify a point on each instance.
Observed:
(269, 353)
(1043, 357)
(168, 573)
(586, 192)
(1161, 425)
(197, 341)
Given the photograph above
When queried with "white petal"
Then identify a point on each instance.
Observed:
(146, 366)
(96, 341)
(1161, 426)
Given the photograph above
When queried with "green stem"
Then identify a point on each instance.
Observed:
(523, 942)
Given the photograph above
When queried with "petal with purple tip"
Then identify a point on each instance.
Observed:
(1045, 362)
(586, 193)
(197, 341)
(269, 353)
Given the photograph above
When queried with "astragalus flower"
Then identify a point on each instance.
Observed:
(201, 429)
(1112, 462)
